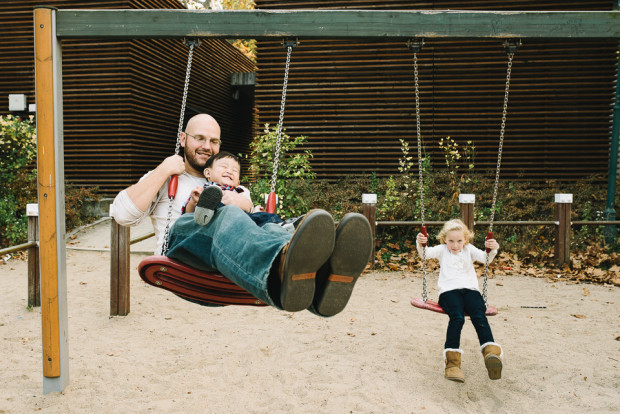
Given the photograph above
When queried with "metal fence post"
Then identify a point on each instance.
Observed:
(119, 268)
(34, 273)
(369, 209)
(466, 203)
(563, 227)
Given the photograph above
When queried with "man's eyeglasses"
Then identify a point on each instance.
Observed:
(203, 140)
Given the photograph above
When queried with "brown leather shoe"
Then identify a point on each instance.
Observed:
(336, 279)
(310, 247)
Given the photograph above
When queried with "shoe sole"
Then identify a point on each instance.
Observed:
(310, 247)
(456, 379)
(494, 366)
(209, 200)
(351, 254)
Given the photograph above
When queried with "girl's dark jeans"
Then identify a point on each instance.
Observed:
(457, 303)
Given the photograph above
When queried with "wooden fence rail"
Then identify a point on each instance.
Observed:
(119, 294)
(120, 243)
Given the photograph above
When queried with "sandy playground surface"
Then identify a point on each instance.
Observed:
(380, 355)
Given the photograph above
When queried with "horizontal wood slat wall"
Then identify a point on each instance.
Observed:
(355, 99)
(122, 99)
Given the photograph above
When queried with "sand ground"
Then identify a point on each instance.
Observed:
(380, 355)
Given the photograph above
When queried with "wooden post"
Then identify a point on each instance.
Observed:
(34, 275)
(119, 270)
(369, 210)
(563, 227)
(51, 189)
(466, 202)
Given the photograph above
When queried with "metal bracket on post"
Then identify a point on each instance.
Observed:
(415, 45)
(511, 45)
(190, 42)
(286, 43)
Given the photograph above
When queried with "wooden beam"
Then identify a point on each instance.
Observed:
(119, 269)
(34, 275)
(48, 86)
(47, 191)
(337, 24)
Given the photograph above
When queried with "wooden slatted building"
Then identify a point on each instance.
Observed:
(354, 99)
(122, 99)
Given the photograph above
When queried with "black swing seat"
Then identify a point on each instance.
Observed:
(434, 306)
(196, 285)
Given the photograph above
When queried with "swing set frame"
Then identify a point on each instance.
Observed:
(51, 25)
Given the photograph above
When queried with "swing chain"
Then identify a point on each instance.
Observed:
(511, 48)
(191, 44)
(289, 44)
(416, 46)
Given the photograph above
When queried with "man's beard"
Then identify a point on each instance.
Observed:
(192, 160)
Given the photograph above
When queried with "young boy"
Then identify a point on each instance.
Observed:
(223, 171)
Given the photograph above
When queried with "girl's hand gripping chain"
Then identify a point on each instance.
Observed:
(422, 237)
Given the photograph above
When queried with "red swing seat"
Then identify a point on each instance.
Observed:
(434, 306)
(193, 284)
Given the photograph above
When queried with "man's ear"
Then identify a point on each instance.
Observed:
(182, 139)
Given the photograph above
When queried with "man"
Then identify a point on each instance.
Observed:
(149, 196)
(314, 269)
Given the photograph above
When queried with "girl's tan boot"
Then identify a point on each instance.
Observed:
(492, 354)
(452, 359)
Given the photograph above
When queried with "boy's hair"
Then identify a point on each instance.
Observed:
(454, 225)
(219, 155)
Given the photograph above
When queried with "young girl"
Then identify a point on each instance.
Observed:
(459, 295)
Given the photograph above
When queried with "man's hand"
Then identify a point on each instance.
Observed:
(173, 165)
(236, 199)
(144, 191)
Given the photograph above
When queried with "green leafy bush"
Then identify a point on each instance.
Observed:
(294, 171)
(18, 176)
(18, 150)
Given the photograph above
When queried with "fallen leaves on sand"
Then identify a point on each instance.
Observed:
(578, 316)
(594, 264)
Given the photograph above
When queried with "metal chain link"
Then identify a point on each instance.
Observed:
(289, 49)
(191, 44)
(420, 175)
(499, 161)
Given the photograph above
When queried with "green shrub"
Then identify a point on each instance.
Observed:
(18, 176)
(18, 173)
(294, 171)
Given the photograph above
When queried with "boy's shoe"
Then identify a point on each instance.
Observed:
(310, 247)
(336, 279)
(291, 224)
(208, 202)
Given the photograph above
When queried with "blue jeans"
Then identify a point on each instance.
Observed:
(261, 218)
(233, 244)
(458, 302)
